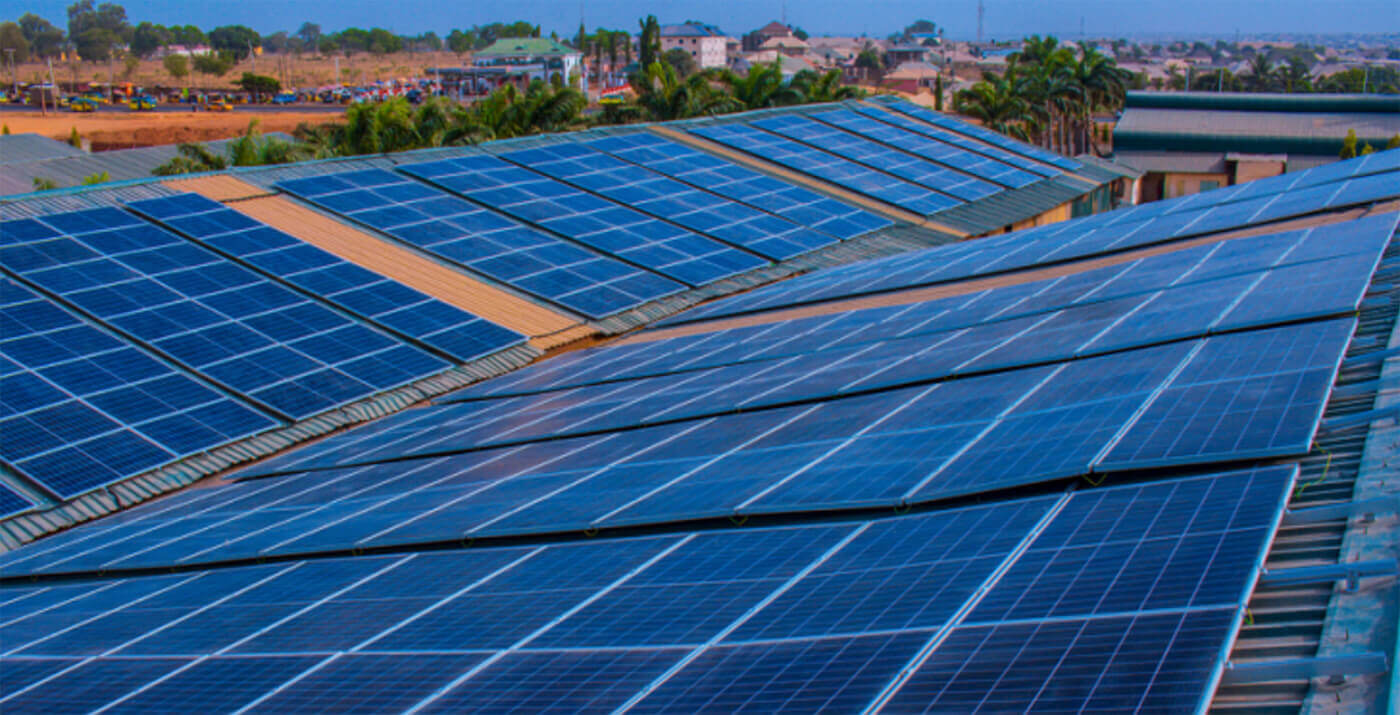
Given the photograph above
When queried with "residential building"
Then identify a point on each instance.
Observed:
(706, 43)
(532, 58)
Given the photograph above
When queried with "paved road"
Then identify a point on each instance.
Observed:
(185, 108)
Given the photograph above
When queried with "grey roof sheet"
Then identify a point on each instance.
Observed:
(16, 148)
(120, 165)
(1218, 123)
(1173, 161)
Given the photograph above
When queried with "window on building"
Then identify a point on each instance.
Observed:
(1209, 185)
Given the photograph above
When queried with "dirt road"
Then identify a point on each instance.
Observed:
(119, 131)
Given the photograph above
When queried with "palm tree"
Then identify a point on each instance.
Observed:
(761, 87)
(1295, 76)
(1101, 84)
(662, 95)
(809, 86)
(994, 101)
(1261, 74)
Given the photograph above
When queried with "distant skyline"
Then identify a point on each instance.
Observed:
(1005, 19)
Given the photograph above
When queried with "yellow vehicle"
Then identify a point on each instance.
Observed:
(142, 103)
(95, 96)
(82, 104)
(217, 103)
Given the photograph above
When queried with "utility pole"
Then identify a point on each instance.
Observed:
(981, 15)
(10, 54)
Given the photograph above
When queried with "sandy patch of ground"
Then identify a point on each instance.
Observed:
(118, 130)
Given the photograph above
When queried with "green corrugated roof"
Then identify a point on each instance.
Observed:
(514, 46)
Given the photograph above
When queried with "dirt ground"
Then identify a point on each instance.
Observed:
(121, 131)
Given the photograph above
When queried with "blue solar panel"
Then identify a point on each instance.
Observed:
(1244, 395)
(942, 152)
(229, 323)
(972, 130)
(212, 684)
(12, 502)
(388, 303)
(484, 241)
(828, 167)
(742, 184)
(645, 190)
(367, 683)
(905, 122)
(589, 219)
(873, 154)
(83, 408)
(543, 681)
(1134, 663)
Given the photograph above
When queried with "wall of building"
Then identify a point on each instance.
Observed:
(707, 51)
(1251, 170)
(1175, 184)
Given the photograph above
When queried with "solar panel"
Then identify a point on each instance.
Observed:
(908, 124)
(972, 130)
(943, 152)
(83, 408)
(898, 163)
(766, 234)
(485, 242)
(12, 502)
(742, 184)
(348, 286)
(225, 321)
(828, 167)
(587, 218)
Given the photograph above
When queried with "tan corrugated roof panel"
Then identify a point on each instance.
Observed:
(405, 266)
(219, 187)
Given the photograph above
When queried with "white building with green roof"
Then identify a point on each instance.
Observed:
(534, 57)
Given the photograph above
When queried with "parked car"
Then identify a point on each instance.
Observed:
(142, 103)
(285, 98)
(82, 104)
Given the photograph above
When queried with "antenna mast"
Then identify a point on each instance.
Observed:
(981, 14)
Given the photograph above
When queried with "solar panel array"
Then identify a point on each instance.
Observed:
(893, 612)
(588, 218)
(83, 408)
(742, 184)
(1097, 235)
(932, 131)
(392, 305)
(972, 130)
(763, 233)
(484, 241)
(911, 505)
(247, 332)
(829, 167)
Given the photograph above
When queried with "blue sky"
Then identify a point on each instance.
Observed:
(1005, 18)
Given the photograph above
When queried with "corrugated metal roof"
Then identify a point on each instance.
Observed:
(16, 148)
(1203, 130)
(120, 165)
(1173, 161)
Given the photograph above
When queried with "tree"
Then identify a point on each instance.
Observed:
(177, 65)
(310, 33)
(12, 38)
(100, 177)
(326, 45)
(75, 139)
(995, 103)
(258, 85)
(650, 41)
(1348, 145)
(869, 60)
(130, 63)
(681, 62)
(1260, 77)
(662, 95)
(44, 39)
(187, 35)
(148, 38)
(237, 41)
(42, 184)
(808, 86)
(1394, 142)
(800, 34)
(762, 87)
(383, 42)
(95, 32)
(460, 42)
(1366, 149)
(212, 64)
(277, 42)
(191, 159)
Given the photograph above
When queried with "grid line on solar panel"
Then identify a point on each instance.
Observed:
(650, 192)
(928, 130)
(829, 167)
(83, 408)
(977, 132)
(488, 243)
(594, 221)
(742, 184)
(224, 321)
(894, 162)
(12, 502)
(942, 152)
(394, 306)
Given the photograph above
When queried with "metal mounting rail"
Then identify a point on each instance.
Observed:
(1336, 667)
(1351, 573)
(1367, 508)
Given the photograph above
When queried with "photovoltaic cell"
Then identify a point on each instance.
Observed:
(927, 147)
(741, 184)
(986, 135)
(83, 408)
(645, 190)
(229, 323)
(909, 124)
(484, 241)
(587, 218)
(829, 167)
(12, 502)
(354, 289)
(873, 154)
